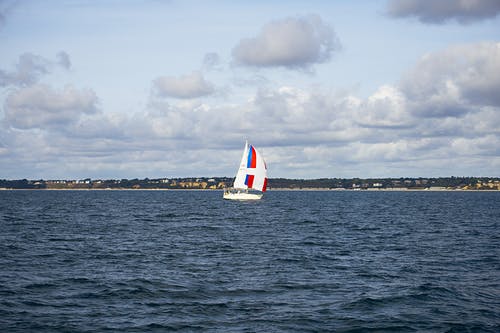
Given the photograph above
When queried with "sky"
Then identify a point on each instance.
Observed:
(134, 89)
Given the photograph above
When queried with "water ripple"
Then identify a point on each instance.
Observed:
(156, 261)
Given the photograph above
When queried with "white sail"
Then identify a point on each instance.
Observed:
(259, 173)
(239, 181)
(252, 174)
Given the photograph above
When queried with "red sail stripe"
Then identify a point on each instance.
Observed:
(265, 185)
(249, 180)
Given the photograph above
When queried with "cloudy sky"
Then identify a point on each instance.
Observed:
(135, 89)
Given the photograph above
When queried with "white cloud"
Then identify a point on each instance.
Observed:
(302, 134)
(28, 71)
(188, 86)
(442, 118)
(292, 42)
(455, 81)
(212, 61)
(386, 108)
(39, 106)
(6, 7)
(488, 145)
(31, 68)
(64, 60)
(436, 12)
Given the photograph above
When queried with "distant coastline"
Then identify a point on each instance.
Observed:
(268, 190)
(274, 184)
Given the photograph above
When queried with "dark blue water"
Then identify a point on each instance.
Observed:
(156, 261)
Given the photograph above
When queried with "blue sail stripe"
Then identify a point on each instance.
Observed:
(249, 160)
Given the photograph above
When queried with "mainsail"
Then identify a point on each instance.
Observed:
(252, 173)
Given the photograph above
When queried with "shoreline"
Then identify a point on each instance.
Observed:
(269, 190)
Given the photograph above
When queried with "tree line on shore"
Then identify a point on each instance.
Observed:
(213, 183)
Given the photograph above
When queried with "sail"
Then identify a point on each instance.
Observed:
(239, 181)
(252, 173)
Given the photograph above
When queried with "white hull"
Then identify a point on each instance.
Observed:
(241, 195)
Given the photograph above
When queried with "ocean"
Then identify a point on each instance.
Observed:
(296, 261)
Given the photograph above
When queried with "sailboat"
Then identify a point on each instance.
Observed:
(251, 175)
